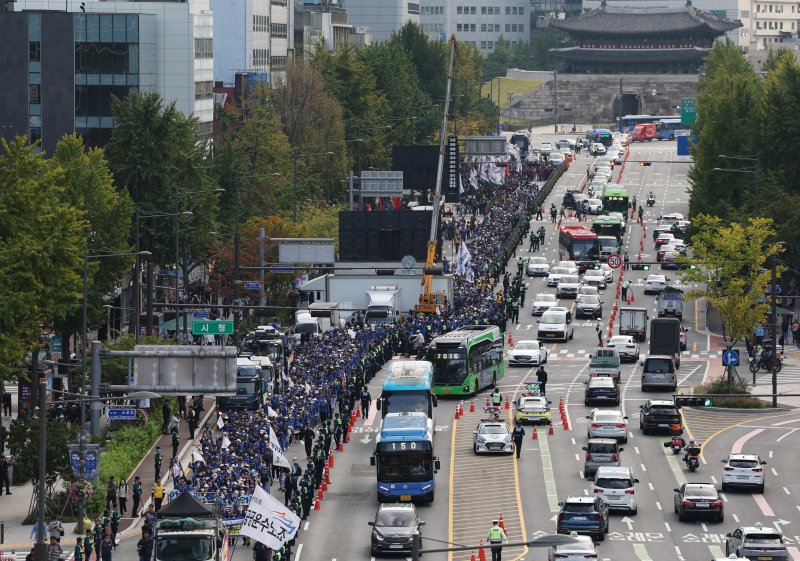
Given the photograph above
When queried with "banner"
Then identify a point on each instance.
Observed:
(91, 456)
(268, 521)
(278, 458)
(233, 526)
(226, 442)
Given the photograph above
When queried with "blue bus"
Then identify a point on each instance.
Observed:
(629, 122)
(665, 128)
(408, 388)
(404, 457)
(603, 136)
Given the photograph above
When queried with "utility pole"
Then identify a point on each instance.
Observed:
(619, 108)
(40, 548)
(261, 235)
(555, 101)
(774, 322)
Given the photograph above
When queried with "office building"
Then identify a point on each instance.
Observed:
(478, 22)
(382, 17)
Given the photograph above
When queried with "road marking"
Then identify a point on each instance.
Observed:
(716, 552)
(774, 471)
(739, 444)
(644, 467)
(713, 480)
(574, 443)
(794, 552)
(373, 412)
(641, 552)
(305, 526)
(519, 499)
(577, 458)
(704, 527)
(298, 552)
(450, 498)
(785, 490)
(785, 435)
(667, 526)
(658, 505)
(724, 497)
(649, 484)
(735, 518)
(581, 475)
(636, 449)
(678, 553)
(673, 465)
(720, 431)
(770, 454)
(766, 510)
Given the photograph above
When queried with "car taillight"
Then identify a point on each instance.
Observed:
(616, 457)
(560, 555)
(687, 503)
(561, 517)
(596, 426)
(630, 491)
(727, 469)
(598, 517)
(716, 503)
(620, 426)
(598, 490)
(757, 470)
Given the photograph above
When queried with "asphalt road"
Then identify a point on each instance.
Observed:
(472, 490)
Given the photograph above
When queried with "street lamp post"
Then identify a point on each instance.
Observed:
(43, 401)
(755, 170)
(296, 156)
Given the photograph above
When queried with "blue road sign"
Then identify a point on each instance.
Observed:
(768, 289)
(252, 286)
(200, 314)
(730, 358)
(122, 414)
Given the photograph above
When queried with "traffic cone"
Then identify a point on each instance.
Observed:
(340, 448)
(327, 476)
(320, 496)
(352, 419)
(628, 301)
(487, 403)
(510, 341)
(502, 524)
(330, 461)
(641, 244)
(473, 557)
(472, 410)
(456, 415)
(317, 506)
(461, 409)
(481, 553)
(550, 431)
(632, 298)
(358, 411)
(508, 405)
(534, 436)
(566, 424)
(323, 487)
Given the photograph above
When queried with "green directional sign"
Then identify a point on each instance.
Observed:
(212, 327)
(688, 111)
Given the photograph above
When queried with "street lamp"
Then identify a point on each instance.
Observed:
(755, 170)
(296, 156)
(43, 394)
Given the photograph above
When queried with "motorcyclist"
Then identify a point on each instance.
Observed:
(417, 341)
(651, 196)
(676, 431)
(692, 449)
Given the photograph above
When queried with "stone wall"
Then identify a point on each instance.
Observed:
(594, 98)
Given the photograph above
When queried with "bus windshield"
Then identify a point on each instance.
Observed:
(405, 466)
(449, 368)
(410, 401)
(584, 250)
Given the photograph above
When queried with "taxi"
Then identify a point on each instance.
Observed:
(531, 406)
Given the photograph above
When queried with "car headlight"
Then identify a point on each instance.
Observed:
(481, 439)
(379, 537)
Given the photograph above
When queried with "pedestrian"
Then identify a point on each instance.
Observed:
(7, 403)
(260, 552)
(88, 544)
(111, 492)
(308, 440)
(641, 214)
(114, 526)
(55, 529)
(366, 402)
(496, 536)
(192, 422)
(54, 550)
(78, 553)
(176, 441)
(5, 464)
(796, 333)
(122, 496)
(541, 377)
(157, 462)
(538, 212)
(520, 264)
(144, 547)
(496, 397)
(158, 494)
(137, 496)
(599, 332)
(518, 434)
(627, 260)
(166, 415)
(107, 545)
(625, 285)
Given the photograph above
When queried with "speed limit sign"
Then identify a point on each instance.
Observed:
(614, 261)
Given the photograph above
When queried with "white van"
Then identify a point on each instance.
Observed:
(555, 325)
(615, 485)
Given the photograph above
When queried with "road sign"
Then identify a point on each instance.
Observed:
(768, 289)
(730, 358)
(122, 414)
(212, 327)
(252, 286)
(200, 314)
(688, 111)
(614, 260)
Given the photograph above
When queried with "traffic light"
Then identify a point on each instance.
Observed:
(596, 266)
(640, 266)
(645, 164)
(693, 401)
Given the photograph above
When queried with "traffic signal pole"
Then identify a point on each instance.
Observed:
(774, 321)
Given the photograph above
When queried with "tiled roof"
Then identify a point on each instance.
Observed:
(629, 55)
(645, 21)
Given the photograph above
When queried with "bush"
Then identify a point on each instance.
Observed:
(738, 387)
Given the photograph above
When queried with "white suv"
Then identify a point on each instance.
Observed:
(743, 470)
(615, 486)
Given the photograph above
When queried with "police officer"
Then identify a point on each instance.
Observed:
(541, 377)
(518, 434)
(625, 285)
(496, 536)
(366, 401)
(497, 398)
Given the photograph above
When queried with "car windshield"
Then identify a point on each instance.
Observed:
(183, 548)
(665, 410)
(579, 507)
(538, 261)
(764, 539)
(589, 299)
(493, 429)
(553, 317)
(595, 273)
(601, 382)
(656, 278)
(658, 365)
(533, 402)
(559, 271)
(545, 298)
(576, 547)
(607, 417)
(700, 491)
(569, 279)
(527, 346)
(395, 518)
(613, 483)
(620, 341)
(743, 463)
(601, 448)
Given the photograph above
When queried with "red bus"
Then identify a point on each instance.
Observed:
(579, 244)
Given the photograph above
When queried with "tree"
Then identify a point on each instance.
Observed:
(156, 155)
(25, 436)
(781, 122)
(42, 239)
(430, 58)
(499, 60)
(89, 187)
(730, 261)
(543, 41)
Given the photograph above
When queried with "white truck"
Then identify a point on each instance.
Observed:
(383, 303)
(633, 322)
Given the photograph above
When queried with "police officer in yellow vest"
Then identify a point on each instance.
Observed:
(496, 537)
(497, 399)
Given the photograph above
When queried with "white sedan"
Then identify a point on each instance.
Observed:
(605, 423)
(555, 275)
(582, 550)
(608, 272)
(543, 302)
(626, 346)
(594, 277)
(593, 206)
(538, 267)
(655, 284)
(527, 353)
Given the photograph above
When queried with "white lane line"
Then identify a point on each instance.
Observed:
(785, 490)
(673, 465)
(678, 553)
(580, 474)
(547, 473)
(716, 552)
(713, 480)
(305, 526)
(636, 449)
(641, 552)
(298, 552)
(704, 527)
(666, 524)
(774, 471)
(658, 505)
(735, 518)
(644, 467)
(586, 491)
(785, 435)
(573, 441)
(649, 484)
(724, 497)
(770, 454)
(577, 458)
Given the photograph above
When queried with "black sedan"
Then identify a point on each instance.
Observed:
(699, 500)
(601, 389)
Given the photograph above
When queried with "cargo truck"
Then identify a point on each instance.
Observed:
(633, 322)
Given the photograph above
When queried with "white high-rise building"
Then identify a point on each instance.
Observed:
(382, 17)
(181, 35)
(479, 22)
(251, 36)
(767, 25)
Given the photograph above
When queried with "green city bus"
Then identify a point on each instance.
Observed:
(605, 225)
(467, 360)
(615, 198)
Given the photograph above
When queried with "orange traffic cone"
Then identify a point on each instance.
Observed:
(317, 506)
(508, 405)
(502, 524)
(320, 496)
(534, 436)
(330, 461)
(481, 553)
(487, 403)
(473, 557)
(460, 409)
(628, 300)
(327, 476)
(323, 487)
(472, 410)
(456, 415)
(641, 244)
(551, 432)
(632, 298)
(510, 341)
(358, 411)
(566, 424)
(340, 448)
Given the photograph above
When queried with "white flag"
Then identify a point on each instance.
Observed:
(473, 178)
(220, 422)
(225, 442)
(460, 184)
(278, 458)
(271, 412)
(197, 457)
(268, 521)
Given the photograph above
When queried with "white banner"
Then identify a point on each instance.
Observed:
(197, 457)
(268, 521)
(226, 442)
(271, 412)
(278, 458)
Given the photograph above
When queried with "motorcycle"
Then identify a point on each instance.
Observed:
(676, 444)
(692, 462)
(651, 201)
(764, 361)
